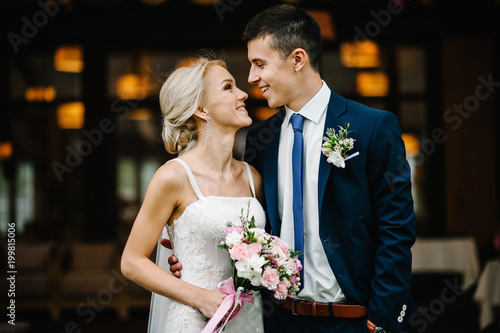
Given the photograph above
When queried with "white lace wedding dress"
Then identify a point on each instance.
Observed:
(195, 236)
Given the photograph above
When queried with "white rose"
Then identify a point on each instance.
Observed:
(289, 266)
(233, 238)
(255, 280)
(243, 268)
(337, 159)
(256, 262)
(251, 269)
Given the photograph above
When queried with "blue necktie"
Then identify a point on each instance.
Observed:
(297, 168)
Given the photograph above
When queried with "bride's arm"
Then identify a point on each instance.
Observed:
(163, 196)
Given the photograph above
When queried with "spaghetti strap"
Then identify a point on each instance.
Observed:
(250, 178)
(194, 185)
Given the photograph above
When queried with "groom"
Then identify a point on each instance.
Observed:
(358, 220)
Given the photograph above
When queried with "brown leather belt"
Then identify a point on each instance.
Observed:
(317, 309)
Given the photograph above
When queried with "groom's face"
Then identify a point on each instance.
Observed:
(273, 75)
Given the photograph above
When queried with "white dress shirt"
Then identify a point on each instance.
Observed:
(320, 284)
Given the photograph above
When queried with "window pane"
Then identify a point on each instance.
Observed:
(412, 116)
(411, 63)
(25, 194)
(4, 202)
(42, 74)
(148, 169)
(127, 179)
(339, 78)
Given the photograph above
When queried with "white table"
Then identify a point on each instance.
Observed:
(488, 292)
(447, 255)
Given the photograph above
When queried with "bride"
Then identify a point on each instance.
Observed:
(192, 198)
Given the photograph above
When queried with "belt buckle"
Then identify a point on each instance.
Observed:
(294, 308)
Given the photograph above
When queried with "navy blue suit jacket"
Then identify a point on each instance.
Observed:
(367, 222)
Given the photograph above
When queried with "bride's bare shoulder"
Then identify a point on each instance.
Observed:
(170, 174)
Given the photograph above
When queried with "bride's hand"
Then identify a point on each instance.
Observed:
(210, 301)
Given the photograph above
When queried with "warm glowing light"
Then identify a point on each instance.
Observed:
(140, 114)
(411, 144)
(34, 94)
(185, 62)
(49, 93)
(71, 115)
(69, 58)
(325, 22)
(263, 113)
(255, 92)
(361, 54)
(129, 86)
(40, 94)
(5, 150)
(372, 84)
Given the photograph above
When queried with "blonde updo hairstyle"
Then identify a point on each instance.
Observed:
(180, 96)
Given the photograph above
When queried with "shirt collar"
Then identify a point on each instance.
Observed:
(315, 107)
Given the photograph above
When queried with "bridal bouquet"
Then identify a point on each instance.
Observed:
(259, 260)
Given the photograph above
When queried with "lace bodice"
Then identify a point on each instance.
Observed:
(195, 236)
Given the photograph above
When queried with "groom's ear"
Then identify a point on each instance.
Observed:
(299, 57)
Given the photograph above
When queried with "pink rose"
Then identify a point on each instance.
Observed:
(254, 248)
(282, 290)
(286, 284)
(298, 264)
(281, 244)
(239, 251)
(229, 230)
(279, 251)
(270, 278)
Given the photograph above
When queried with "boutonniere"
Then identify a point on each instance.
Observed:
(336, 145)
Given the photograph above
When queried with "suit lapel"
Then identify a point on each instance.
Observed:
(270, 171)
(336, 107)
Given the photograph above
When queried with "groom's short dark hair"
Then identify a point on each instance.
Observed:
(289, 27)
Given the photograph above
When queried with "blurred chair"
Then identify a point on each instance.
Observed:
(35, 275)
(91, 280)
(447, 255)
(487, 294)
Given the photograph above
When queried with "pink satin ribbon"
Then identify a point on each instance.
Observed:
(233, 299)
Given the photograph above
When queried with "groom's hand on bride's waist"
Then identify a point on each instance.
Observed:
(175, 266)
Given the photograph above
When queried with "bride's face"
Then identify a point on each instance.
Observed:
(225, 102)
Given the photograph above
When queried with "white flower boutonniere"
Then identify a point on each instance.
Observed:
(336, 146)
